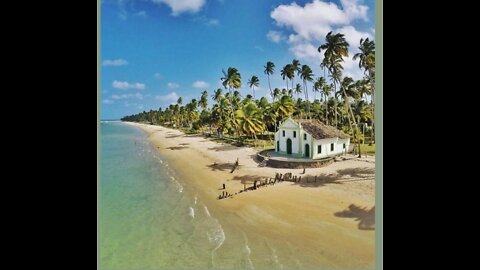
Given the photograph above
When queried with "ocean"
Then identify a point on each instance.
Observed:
(147, 220)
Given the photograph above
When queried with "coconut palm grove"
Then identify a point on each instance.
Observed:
(331, 97)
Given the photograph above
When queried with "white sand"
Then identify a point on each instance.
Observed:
(323, 223)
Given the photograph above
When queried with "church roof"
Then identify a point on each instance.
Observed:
(319, 130)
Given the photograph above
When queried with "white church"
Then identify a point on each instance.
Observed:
(310, 138)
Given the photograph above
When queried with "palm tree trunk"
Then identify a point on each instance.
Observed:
(253, 90)
(306, 97)
(326, 109)
(354, 121)
(233, 113)
(350, 124)
(269, 87)
(372, 104)
(335, 102)
(308, 101)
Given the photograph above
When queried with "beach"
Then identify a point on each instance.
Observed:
(328, 223)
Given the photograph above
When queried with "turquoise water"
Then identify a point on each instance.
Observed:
(147, 220)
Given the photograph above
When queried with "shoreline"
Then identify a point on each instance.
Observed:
(324, 224)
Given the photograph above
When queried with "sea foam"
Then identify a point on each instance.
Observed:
(191, 212)
(206, 211)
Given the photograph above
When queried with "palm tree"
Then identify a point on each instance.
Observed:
(284, 74)
(367, 62)
(253, 82)
(179, 101)
(236, 99)
(295, 67)
(336, 47)
(269, 69)
(268, 116)
(217, 95)
(222, 109)
(366, 55)
(347, 89)
(362, 112)
(204, 100)
(248, 98)
(335, 76)
(233, 80)
(326, 89)
(284, 107)
(287, 73)
(262, 102)
(249, 120)
(276, 93)
(362, 88)
(317, 87)
(298, 89)
(307, 76)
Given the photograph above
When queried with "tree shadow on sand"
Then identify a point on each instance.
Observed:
(357, 172)
(173, 136)
(247, 179)
(339, 177)
(226, 147)
(194, 135)
(321, 180)
(254, 157)
(365, 218)
(222, 166)
(176, 147)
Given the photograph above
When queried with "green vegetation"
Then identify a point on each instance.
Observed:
(345, 103)
(368, 149)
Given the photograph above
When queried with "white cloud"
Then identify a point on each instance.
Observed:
(354, 10)
(126, 85)
(311, 23)
(108, 101)
(135, 105)
(316, 19)
(127, 96)
(115, 63)
(313, 20)
(200, 84)
(353, 36)
(172, 97)
(181, 6)
(305, 51)
(158, 76)
(275, 36)
(142, 13)
(212, 22)
(172, 85)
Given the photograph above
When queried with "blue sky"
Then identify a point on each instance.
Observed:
(153, 51)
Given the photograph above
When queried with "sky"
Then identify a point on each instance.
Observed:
(154, 51)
